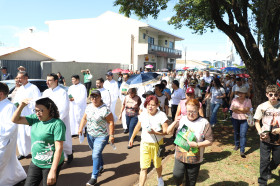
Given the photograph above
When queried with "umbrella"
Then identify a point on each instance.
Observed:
(138, 80)
(232, 70)
(149, 66)
(117, 70)
(125, 71)
(223, 68)
(186, 68)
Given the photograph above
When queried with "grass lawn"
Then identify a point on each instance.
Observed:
(222, 166)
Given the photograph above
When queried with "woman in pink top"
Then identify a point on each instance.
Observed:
(240, 106)
(182, 110)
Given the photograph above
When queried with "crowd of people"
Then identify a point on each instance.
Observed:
(47, 122)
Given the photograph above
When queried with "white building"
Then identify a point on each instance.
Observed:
(109, 38)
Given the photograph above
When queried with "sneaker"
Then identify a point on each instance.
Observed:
(160, 182)
(125, 131)
(92, 181)
(70, 158)
(236, 148)
(242, 154)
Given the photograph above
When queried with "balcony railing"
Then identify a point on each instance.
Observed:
(168, 52)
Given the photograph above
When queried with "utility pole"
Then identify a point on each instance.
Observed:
(185, 56)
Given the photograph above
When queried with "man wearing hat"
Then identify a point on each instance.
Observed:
(111, 85)
(197, 91)
(4, 74)
(21, 69)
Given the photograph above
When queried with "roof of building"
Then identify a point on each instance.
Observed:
(10, 54)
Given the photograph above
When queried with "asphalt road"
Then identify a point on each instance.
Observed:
(121, 166)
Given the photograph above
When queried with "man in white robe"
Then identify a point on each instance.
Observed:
(105, 94)
(11, 171)
(30, 91)
(78, 102)
(61, 99)
(111, 85)
(123, 92)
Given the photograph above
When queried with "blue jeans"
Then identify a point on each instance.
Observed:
(131, 122)
(97, 145)
(240, 129)
(214, 110)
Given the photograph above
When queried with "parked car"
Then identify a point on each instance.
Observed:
(40, 83)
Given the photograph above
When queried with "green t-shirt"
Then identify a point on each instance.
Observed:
(86, 77)
(43, 137)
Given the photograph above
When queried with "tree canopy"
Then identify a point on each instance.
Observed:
(252, 25)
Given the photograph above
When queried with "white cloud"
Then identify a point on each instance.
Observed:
(166, 19)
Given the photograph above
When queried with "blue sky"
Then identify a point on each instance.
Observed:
(19, 15)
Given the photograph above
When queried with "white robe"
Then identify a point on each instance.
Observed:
(26, 91)
(113, 88)
(11, 171)
(61, 99)
(124, 86)
(106, 97)
(78, 106)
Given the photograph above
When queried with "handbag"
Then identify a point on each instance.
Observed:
(250, 118)
(161, 149)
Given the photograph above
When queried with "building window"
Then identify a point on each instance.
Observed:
(171, 60)
(151, 40)
(171, 44)
(144, 36)
(165, 42)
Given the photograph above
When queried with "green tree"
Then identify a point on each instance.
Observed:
(253, 26)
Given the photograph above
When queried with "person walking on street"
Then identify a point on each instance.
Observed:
(4, 74)
(11, 170)
(268, 112)
(111, 85)
(100, 129)
(87, 79)
(187, 162)
(177, 95)
(240, 106)
(47, 136)
(30, 91)
(78, 102)
(60, 97)
(105, 94)
(154, 126)
(131, 104)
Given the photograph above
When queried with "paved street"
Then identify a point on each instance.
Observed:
(121, 165)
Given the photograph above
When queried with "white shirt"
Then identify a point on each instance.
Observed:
(113, 88)
(27, 91)
(79, 93)
(177, 95)
(155, 122)
(11, 170)
(197, 92)
(60, 98)
(208, 79)
(105, 95)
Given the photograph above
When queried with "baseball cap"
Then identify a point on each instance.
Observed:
(242, 89)
(148, 93)
(3, 68)
(109, 74)
(193, 82)
(97, 92)
(190, 90)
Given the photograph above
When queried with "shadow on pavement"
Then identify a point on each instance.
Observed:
(230, 183)
(203, 175)
(131, 168)
(67, 179)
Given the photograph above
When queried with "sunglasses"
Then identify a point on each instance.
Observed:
(275, 95)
